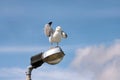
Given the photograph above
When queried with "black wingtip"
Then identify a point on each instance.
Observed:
(50, 23)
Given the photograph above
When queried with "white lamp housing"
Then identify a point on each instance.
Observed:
(53, 56)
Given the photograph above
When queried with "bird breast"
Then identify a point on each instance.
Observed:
(56, 37)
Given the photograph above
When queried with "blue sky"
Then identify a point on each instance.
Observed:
(92, 46)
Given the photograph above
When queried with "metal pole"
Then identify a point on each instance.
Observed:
(28, 73)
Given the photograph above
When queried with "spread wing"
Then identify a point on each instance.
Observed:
(48, 29)
(64, 35)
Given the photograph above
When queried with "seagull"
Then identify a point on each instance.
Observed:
(56, 35)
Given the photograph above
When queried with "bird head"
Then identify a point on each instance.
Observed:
(58, 28)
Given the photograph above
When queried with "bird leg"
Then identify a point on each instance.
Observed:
(57, 44)
(51, 45)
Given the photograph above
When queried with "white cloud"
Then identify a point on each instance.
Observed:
(102, 61)
(90, 63)
(111, 72)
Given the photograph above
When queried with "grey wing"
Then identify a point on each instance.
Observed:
(64, 35)
(48, 30)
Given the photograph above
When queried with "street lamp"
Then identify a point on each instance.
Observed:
(52, 56)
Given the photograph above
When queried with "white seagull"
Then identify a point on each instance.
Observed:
(56, 35)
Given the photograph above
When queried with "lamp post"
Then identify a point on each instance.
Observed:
(52, 56)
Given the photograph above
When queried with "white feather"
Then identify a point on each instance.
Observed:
(54, 36)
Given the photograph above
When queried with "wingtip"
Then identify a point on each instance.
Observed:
(64, 35)
(50, 23)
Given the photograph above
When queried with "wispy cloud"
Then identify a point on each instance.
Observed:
(55, 73)
(102, 61)
(25, 10)
(104, 13)
(12, 74)
(22, 48)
